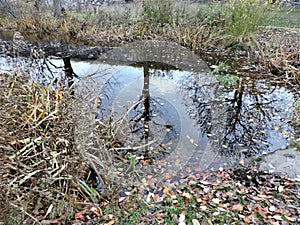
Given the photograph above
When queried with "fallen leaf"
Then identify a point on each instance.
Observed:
(280, 189)
(187, 195)
(160, 216)
(111, 222)
(247, 220)
(238, 207)
(54, 221)
(166, 190)
(155, 197)
(203, 207)
(206, 190)
(216, 200)
(121, 199)
(290, 218)
(167, 175)
(96, 210)
(149, 182)
(272, 208)
(108, 217)
(150, 196)
(80, 215)
(277, 217)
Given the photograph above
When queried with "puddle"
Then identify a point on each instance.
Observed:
(171, 108)
(181, 112)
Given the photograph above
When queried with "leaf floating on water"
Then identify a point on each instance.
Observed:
(192, 140)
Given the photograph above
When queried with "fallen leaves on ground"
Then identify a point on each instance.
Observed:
(241, 196)
(227, 196)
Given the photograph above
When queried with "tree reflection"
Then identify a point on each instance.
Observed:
(252, 110)
(239, 121)
(150, 119)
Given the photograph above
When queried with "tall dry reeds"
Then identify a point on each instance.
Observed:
(40, 167)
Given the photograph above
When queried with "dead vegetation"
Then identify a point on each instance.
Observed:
(40, 168)
(45, 177)
(53, 168)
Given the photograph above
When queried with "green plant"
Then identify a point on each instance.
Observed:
(220, 69)
(158, 11)
(222, 72)
(242, 18)
(209, 13)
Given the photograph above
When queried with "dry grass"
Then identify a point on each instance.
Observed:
(48, 167)
(40, 168)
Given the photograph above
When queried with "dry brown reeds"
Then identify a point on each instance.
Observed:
(40, 167)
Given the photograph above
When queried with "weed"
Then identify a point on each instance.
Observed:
(158, 11)
(221, 71)
(36, 148)
(242, 18)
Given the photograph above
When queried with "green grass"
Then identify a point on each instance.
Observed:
(282, 17)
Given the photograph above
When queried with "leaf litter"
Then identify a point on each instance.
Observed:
(234, 196)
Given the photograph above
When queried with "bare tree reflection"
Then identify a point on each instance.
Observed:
(150, 118)
(251, 112)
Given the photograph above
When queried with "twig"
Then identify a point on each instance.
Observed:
(126, 114)
(135, 148)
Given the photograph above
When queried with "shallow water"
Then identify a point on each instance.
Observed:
(171, 106)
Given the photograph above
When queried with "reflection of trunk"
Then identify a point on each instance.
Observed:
(57, 8)
(146, 96)
(68, 71)
(238, 100)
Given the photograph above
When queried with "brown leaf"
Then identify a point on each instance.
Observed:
(247, 220)
(160, 216)
(290, 218)
(111, 222)
(238, 207)
(96, 210)
(80, 215)
(167, 176)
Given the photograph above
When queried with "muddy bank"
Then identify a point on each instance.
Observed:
(15, 43)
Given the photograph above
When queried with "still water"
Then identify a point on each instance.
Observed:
(168, 104)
